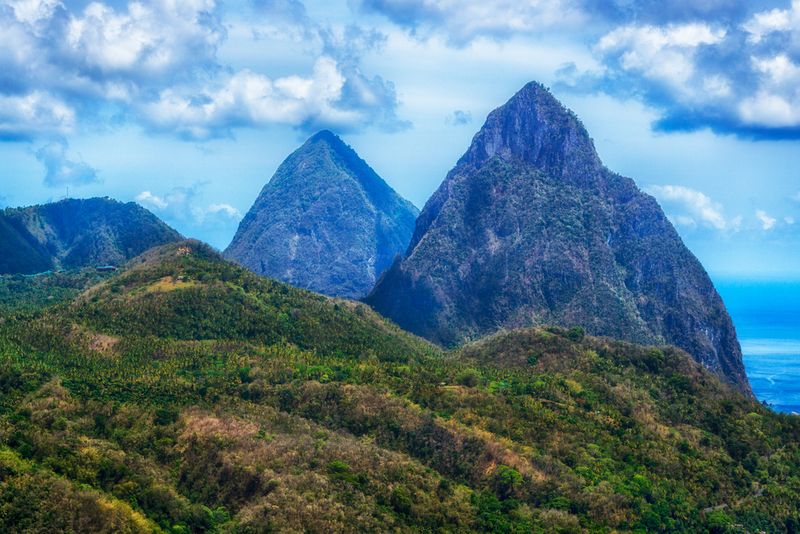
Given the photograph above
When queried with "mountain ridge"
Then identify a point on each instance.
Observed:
(73, 233)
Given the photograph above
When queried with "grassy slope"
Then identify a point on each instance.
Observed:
(188, 394)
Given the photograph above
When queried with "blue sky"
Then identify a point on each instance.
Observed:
(188, 106)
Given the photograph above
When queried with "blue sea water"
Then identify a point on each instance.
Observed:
(767, 319)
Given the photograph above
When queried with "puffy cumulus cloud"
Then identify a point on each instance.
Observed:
(692, 208)
(462, 21)
(776, 102)
(59, 64)
(62, 171)
(29, 115)
(362, 100)
(738, 74)
(326, 98)
(184, 206)
(723, 64)
(106, 50)
(155, 62)
(665, 54)
(765, 23)
(145, 41)
(767, 222)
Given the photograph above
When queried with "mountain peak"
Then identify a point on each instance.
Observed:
(325, 136)
(537, 129)
(530, 228)
(327, 150)
(325, 221)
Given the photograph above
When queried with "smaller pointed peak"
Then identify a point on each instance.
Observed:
(329, 140)
(325, 136)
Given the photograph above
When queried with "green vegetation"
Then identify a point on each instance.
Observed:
(224, 402)
(75, 233)
(29, 293)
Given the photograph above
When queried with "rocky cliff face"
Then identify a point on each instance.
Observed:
(77, 233)
(530, 228)
(326, 222)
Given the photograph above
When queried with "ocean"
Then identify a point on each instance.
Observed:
(767, 319)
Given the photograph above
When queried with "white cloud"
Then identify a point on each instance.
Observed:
(652, 39)
(465, 20)
(33, 11)
(777, 102)
(224, 209)
(696, 207)
(156, 62)
(737, 76)
(767, 222)
(184, 205)
(250, 99)
(147, 39)
(666, 54)
(770, 110)
(62, 171)
(57, 63)
(33, 114)
(146, 198)
(148, 43)
(179, 204)
(789, 220)
(767, 22)
(683, 220)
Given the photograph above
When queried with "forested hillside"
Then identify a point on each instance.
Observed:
(186, 394)
(75, 233)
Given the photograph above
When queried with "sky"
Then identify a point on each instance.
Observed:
(188, 106)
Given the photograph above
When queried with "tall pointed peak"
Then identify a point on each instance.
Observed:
(537, 129)
(530, 228)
